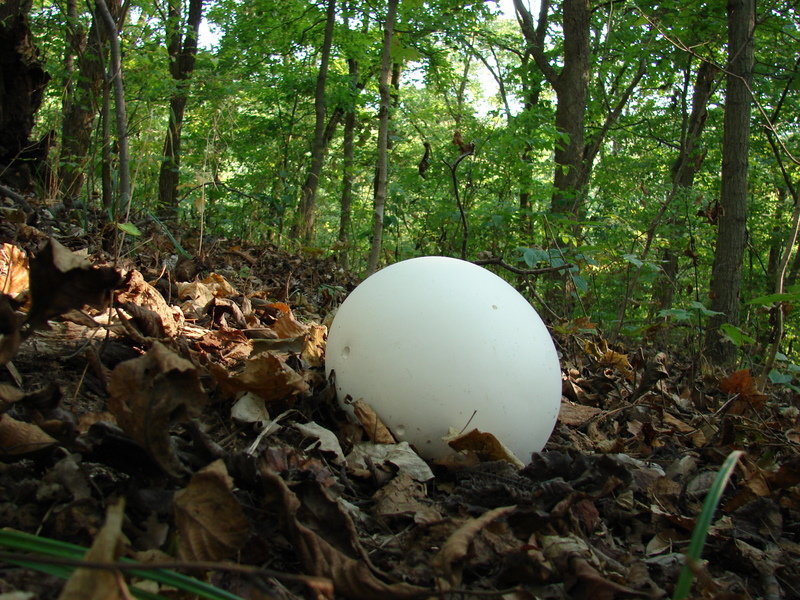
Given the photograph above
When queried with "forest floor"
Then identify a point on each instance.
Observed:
(200, 400)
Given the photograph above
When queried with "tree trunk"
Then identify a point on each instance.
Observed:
(684, 169)
(182, 54)
(345, 215)
(308, 201)
(727, 270)
(81, 107)
(382, 163)
(571, 87)
(22, 85)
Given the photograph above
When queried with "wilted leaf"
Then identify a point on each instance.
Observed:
(314, 346)
(265, 375)
(137, 291)
(101, 584)
(351, 575)
(326, 440)
(149, 394)
(62, 280)
(448, 562)
(376, 431)
(742, 383)
(402, 497)
(18, 437)
(209, 518)
(485, 445)
(219, 286)
(286, 326)
(400, 456)
(13, 270)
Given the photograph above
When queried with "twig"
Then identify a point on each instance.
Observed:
(464, 226)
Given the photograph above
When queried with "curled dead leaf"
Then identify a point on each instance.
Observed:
(210, 521)
(151, 393)
(19, 437)
(61, 280)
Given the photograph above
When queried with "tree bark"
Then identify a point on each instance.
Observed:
(729, 252)
(22, 85)
(345, 214)
(382, 163)
(308, 201)
(82, 106)
(182, 53)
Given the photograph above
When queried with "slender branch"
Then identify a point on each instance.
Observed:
(464, 225)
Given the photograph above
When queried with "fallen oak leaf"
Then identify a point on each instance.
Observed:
(210, 521)
(265, 375)
(149, 394)
(61, 280)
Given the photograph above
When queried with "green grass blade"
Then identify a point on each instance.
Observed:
(700, 532)
(19, 540)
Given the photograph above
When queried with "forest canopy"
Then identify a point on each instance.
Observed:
(631, 168)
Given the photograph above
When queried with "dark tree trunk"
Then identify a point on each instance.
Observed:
(22, 85)
(571, 87)
(81, 104)
(729, 252)
(182, 53)
(382, 163)
(345, 214)
(308, 201)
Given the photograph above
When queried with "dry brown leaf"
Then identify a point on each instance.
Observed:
(402, 497)
(376, 431)
(13, 270)
(485, 445)
(137, 291)
(219, 286)
(18, 437)
(351, 575)
(101, 584)
(448, 562)
(61, 280)
(285, 325)
(576, 414)
(210, 521)
(314, 346)
(264, 374)
(195, 293)
(149, 394)
(742, 383)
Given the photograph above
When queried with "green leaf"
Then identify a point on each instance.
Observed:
(700, 307)
(129, 228)
(679, 314)
(735, 335)
(631, 258)
(779, 378)
(773, 298)
(580, 283)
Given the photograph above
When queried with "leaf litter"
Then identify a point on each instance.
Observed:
(188, 420)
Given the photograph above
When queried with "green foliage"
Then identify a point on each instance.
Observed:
(250, 118)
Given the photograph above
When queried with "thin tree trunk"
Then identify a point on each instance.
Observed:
(120, 111)
(345, 215)
(81, 108)
(382, 163)
(308, 202)
(182, 52)
(729, 252)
